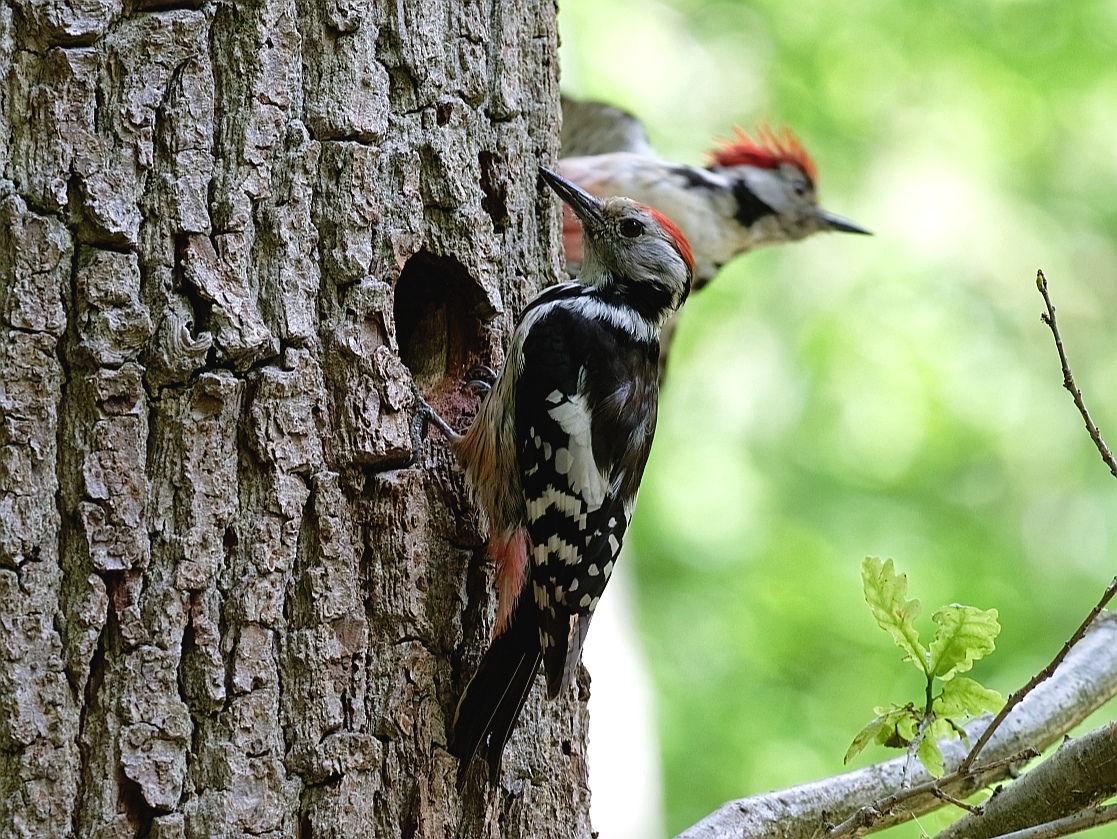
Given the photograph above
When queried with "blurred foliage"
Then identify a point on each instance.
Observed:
(895, 396)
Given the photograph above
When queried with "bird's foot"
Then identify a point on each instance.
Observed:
(425, 416)
(479, 379)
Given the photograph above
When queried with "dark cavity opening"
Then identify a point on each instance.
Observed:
(495, 202)
(439, 311)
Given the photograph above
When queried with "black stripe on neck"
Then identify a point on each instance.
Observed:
(750, 208)
(651, 301)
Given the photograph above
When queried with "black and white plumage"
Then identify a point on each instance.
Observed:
(557, 451)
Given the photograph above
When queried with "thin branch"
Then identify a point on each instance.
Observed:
(1041, 676)
(1107, 456)
(975, 809)
(1067, 825)
(1068, 377)
(866, 818)
(917, 740)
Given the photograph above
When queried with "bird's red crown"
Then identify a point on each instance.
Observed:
(768, 151)
(681, 244)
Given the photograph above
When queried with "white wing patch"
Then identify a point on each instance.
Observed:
(576, 459)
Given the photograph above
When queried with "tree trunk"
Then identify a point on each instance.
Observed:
(231, 237)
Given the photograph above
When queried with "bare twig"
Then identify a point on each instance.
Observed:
(976, 809)
(1068, 382)
(1067, 825)
(1068, 377)
(1042, 675)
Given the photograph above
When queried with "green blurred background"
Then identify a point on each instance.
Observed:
(895, 396)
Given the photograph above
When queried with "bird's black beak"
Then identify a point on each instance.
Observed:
(842, 225)
(585, 206)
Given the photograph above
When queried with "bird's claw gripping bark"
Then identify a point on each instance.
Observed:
(479, 379)
(425, 416)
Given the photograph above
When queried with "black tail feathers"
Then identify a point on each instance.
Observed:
(491, 702)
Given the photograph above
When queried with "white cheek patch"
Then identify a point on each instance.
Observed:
(622, 317)
(573, 417)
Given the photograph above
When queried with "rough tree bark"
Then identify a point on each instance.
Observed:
(232, 234)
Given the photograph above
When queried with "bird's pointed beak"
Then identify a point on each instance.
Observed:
(585, 206)
(842, 225)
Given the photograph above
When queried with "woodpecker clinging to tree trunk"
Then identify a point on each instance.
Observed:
(752, 193)
(557, 450)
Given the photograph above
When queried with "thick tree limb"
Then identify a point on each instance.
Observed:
(1085, 681)
(1080, 775)
(1093, 817)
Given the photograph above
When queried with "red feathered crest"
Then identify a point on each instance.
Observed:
(681, 244)
(768, 151)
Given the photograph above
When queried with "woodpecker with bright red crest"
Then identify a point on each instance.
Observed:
(754, 191)
(557, 450)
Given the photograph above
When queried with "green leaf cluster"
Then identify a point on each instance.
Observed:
(963, 635)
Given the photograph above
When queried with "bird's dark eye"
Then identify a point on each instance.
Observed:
(800, 188)
(631, 228)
